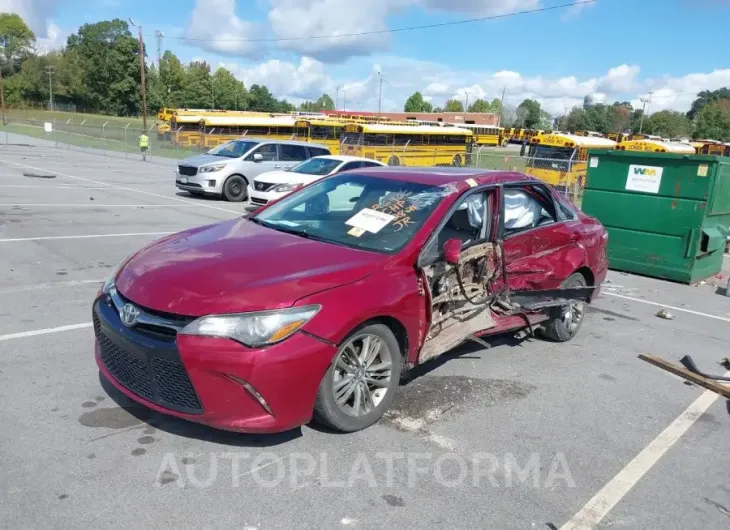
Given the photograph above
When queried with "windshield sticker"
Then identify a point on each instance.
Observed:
(370, 220)
(355, 232)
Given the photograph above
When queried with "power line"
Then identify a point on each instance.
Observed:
(399, 30)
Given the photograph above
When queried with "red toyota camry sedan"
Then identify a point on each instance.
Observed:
(316, 305)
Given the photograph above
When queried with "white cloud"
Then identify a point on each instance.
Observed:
(214, 26)
(309, 78)
(298, 19)
(55, 39)
(36, 13)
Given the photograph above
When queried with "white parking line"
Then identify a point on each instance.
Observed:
(97, 205)
(46, 331)
(54, 187)
(89, 236)
(698, 313)
(51, 285)
(200, 204)
(602, 503)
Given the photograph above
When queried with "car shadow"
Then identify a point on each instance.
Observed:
(465, 351)
(197, 196)
(722, 291)
(193, 430)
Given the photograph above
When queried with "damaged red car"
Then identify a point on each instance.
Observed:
(316, 305)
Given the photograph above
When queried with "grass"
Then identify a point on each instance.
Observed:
(77, 117)
(72, 136)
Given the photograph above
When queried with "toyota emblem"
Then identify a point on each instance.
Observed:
(129, 315)
(259, 186)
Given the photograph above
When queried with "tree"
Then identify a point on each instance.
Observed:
(228, 92)
(438, 109)
(197, 92)
(171, 80)
(669, 124)
(109, 59)
(705, 98)
(324, 102)
(480, 105)
(713, 121)
(416, 103)
(529, 113)
(16, 39)
(454, 105)
(260, 99)
(575, 120)
(621, 116)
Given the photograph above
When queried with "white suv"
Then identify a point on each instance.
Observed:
(273, 185)
(228, 169)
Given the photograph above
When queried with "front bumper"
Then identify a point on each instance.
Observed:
(262, 198)
(237, 388)
(208, 183)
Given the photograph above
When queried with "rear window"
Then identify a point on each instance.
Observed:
(318, 151)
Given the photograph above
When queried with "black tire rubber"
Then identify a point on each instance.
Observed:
(393, 161)
(230, 187)
(456, 161)
(326, 411)
(555, 328)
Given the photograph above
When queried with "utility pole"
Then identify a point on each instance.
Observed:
(466, 104)
(646, 101)
(49, 70)
(380, 91)
(337, 97)
(212, 93)
(143, 88)
(501, 108)
(344, 95)
(159, 36)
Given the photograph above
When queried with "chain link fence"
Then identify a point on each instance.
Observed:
(114, 137)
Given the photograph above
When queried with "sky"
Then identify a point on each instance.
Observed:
(607, 49)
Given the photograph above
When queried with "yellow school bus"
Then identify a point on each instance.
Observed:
(656, 146)
(595, 134)
(645, 137)
(561, 159)
(218, 130)
(322, 131)
(617, 137)
(486, 135)
(185, 129)
(403, 145)
(709, 147)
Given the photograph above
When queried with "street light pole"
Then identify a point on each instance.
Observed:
(466, 106)
(645, 101)
(141, 75)
(380, 91)
(49, 69)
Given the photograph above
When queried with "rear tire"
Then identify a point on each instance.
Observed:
(235, 189)
(456, 161)
(393, 161)
(342, 385)
(565, 321)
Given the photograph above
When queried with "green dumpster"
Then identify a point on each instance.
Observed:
(667, 215)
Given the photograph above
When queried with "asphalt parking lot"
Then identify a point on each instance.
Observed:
(526, 434)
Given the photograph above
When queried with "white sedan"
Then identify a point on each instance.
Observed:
(275, 184)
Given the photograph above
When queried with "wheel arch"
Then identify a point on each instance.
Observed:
(587, 273)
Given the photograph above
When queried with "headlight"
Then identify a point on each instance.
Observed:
(281, 188)
(211, 169)
(259, 328)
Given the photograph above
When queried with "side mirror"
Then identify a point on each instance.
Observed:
(452, 251)
(258, 157)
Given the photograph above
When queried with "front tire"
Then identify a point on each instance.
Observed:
(234, 189)
(565, 322)
(393, 161)
(361, 382)
(456, 161)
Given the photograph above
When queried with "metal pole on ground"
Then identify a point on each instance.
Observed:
(55, 138)
(103, 135)
(82, 132)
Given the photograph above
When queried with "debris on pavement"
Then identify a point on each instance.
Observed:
(725, 363)
(39, 176)
(666, 315)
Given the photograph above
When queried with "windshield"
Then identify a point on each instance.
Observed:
(365, 212)
(316, 166)
(234, 149)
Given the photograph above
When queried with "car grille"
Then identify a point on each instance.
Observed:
(159, 380)
(259, 201)
(187, 170)
(190, 184)
(263, 186)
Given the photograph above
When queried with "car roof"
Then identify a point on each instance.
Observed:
(348, 158)
(264, 140)
(438, 176)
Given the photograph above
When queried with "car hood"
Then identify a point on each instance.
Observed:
(201, 160)
(282, 177)
(237, 266)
